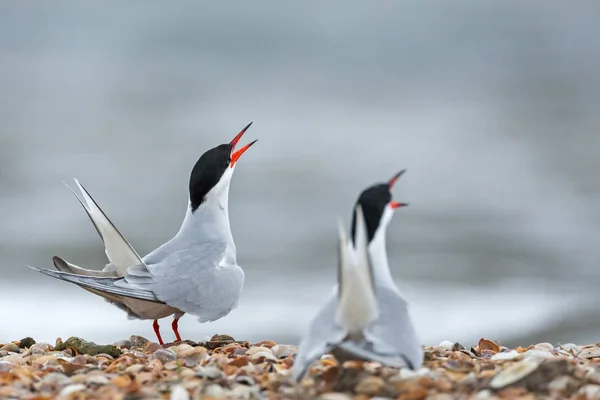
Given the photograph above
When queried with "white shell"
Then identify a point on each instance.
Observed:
(513, 373)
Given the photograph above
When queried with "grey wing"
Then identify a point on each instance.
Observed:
(393, 333)
(190, 280)
(322, 335)
(111, 286)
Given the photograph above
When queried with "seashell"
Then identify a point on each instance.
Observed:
(245, 380)
(334, 396)
(253, 350)
(485, 344)
(483, 395)
(209, 372)
(240, 361)
(262, 356)
(164, 355)
(10, 347)
(283, 351)
(264, 343)
(151, 347)
(137, 341)
(69, 367)
(570, 347)
(182, 348)
(39, 348)
(509, 355)
(69, 390)
(244, 392)
(513, 393)
(513, 374)
(370, 385)
(446, 345)
(564, 385)
(593, 352)
(544, 346)
(134, 369)
(192, 356)
(179, 393)
(123, 344)
(589, 391)
(6, 366)
(214, 390)
(96, 379)
(538, 355)
(53, 382)
(126, 382)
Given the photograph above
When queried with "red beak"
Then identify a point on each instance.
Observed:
(395, 178)
(236, 155)
(395, 204)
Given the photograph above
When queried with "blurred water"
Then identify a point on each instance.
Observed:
(492, 108)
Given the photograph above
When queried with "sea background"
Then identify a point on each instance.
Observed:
(492, 107)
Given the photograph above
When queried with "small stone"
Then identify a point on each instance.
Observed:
(26, 342)
(10, 347)
(370, 385)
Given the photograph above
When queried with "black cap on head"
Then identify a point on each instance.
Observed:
(373, 201)
(207, 172)
(211, 166)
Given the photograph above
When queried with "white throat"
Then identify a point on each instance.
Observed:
(378, 252)
(210, 221)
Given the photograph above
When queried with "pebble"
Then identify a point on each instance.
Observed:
(10, 347)
(230, 369)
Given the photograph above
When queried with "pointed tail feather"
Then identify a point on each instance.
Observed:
(65, 266)
(114, 286)
(118, 250)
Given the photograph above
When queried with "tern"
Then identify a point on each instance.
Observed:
(195, 272)
(365, 318)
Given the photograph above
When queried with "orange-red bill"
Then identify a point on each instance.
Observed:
(237, 154)
(395, 204)
(395, 178)
(237, 137)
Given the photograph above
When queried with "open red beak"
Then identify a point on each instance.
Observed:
(395, 178)
(235, 155)
(395, 204)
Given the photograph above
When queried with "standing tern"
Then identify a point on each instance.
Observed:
(195, 272)
(365, 318)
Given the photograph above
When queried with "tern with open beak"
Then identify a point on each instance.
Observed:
(365, 318)
(195, 272)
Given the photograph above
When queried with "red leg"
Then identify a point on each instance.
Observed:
(157, 331)
(175, 327)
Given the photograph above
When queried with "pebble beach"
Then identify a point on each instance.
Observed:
(223, 367)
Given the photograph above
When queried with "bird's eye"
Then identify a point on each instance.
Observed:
(228, 162)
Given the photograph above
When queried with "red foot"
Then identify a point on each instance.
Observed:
(157, 331)
(175, 327)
